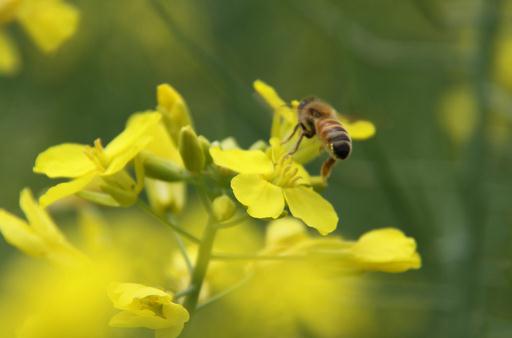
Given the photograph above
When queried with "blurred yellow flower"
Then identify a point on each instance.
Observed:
(386, 250)
(458, 113)
(48, 22)
(83, 164)
(9, 58)
(144, 306)
(285, 119)
(265, 181)
(502, 67)
(39, 236)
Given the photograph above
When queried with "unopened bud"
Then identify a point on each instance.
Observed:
(223, 208)
(205, 145)
(174, 110)
(191, 150)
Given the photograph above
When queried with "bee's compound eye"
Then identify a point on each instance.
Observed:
(314, 113)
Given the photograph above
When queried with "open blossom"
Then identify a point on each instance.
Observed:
(144, 306)
(84, 164)
(266, 182)
(285, 119)
(38, 236)
(48, 22)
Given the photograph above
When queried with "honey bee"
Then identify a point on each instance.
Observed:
(317, 117)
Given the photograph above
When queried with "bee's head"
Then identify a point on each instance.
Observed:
(304, 102)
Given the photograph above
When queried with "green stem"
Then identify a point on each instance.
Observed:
(170, 224)
(476, 171)
(226, 291)
(233, 257)
(201, 267)
(162, 169)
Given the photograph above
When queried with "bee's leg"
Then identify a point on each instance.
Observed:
(327, 167)
(301, 136)
(295, 129)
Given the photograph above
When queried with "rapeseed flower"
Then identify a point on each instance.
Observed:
(144, 306)
(101, 165)
(48, 22)
(285, 119)
(386, 249)
(267, 181)
(38, 236)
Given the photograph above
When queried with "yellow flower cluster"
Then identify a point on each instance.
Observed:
(160, 153)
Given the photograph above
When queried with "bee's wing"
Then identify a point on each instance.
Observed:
(358, 129)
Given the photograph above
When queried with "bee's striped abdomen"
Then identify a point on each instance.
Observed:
(335, 137)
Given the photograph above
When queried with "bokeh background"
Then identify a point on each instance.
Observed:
(435, 76)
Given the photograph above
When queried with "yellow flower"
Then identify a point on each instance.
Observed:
(83, 164)
(266, 181)
(48, 22)
(285, 119)
(9, 58)
(386, 250)
(458, 113)
(39, 236)
(144, 306)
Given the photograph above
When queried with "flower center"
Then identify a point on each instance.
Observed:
(286, 173)
(97, 155)
(152, 304)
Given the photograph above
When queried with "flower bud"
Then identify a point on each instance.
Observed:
(174, 110)
(205, 145)
(223, 208)
(191, 150)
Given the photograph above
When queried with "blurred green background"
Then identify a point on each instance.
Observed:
(434, 76)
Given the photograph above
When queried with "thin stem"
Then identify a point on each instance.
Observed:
(173, 226)
(476, 170)
(183, 250)
(183, 293)
(201, 267)
(232, 257)
(232, 222)
(226, 291)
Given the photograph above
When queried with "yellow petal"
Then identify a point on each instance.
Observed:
(163, 146)
(285, 231)
(263, 199)
(386, 250)
(9, 56)
(311, 208)
(64, 160)
(48, 22)
(129, 319)
(39, 219)
(268, 94)
(359, 130)
(242, 161)
(164, 196)
(123, 295)
(17, 233)
(65, 189)
(131, 141)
